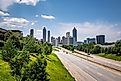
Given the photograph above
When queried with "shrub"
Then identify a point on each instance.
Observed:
(8, 51)
(36, 71)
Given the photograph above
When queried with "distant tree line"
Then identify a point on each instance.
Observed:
(17, 51)
(95, 49)
(69, 47)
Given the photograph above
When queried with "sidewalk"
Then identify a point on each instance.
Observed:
(112, 64)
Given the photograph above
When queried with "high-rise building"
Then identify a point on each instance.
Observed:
(67, 34)
(32, 32)
(44, 34)
(49, 36)
(100, 39)
(74, 32)
(53, 40)
(85, 41)
(64, 40)
(68, 38)
(59, 39)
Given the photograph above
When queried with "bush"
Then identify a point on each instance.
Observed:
(8, 51)
(19, 62)
(36, 71)
(47, 49)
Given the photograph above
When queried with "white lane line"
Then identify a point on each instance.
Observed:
(76, 71)
(99, 74)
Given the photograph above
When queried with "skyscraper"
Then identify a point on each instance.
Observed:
(64, 40)
(100, 39)
(67, 34)
(68, 37)
(48, 36)
(32, 32)
(74, 36)
(53, 40)
(59, 39)
(44, 34)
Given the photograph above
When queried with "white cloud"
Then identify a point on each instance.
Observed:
(48, 17)
(89, 29)
(36, 15)
(4, 4)
(4, 14)
(28, 2)
(32, 23)
(14, 22)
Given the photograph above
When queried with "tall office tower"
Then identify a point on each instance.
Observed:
(74, 32)
(32, 32)
(67, 34)
(100, 39)
(59, 40)
(67, 37)
(44, 34)
(63, 40)
(49, 36)
(53, 40)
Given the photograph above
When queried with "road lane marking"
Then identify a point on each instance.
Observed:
(79, 72)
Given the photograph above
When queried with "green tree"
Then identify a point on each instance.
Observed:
(30, 45)
(47, 49)
(36, 71)
(19, 62)
(9, 51)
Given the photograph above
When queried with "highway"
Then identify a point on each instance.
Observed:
(83, 70)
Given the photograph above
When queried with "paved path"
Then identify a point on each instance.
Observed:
(84, 70)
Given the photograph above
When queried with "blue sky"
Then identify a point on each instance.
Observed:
(90, 17)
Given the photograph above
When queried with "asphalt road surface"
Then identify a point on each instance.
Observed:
(83, 70)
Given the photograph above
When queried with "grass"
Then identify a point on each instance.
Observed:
(55, 49)
(5, 72)
(110, 56)
(56, 70)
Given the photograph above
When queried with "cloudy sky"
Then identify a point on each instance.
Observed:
(90, 17)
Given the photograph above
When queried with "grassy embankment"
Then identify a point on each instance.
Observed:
(55, 69)
(110, 56)
(5, 71)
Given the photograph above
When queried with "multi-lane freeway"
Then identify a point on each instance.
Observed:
(83, 70)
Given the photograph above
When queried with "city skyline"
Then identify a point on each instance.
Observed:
(90, 18)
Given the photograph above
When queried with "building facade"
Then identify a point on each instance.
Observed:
(17, 32)
(100, 39)
(44, 34)
(2, 32)
(90, 40)
(32, 32)
(68, 38)
(74, 32)
(48, 36)
(59, 39)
